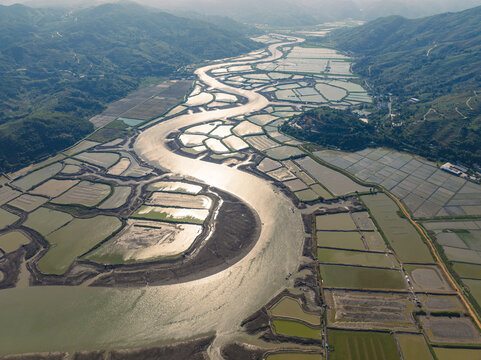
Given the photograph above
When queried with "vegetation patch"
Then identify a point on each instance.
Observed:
(295, 329)
(361, 345)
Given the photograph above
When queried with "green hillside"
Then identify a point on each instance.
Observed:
(59, 67)
(435, 59)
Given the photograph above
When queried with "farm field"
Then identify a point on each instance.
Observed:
(146, 103)
(54, 187)
(34, 178)
(7, 194)
(335, 182)
(402, 236)
(357, 345)
(73, 240)
(470, 271)
(117, 199)
(7, 218)
(458, 241)
(340, 222)
(104, 160)
(284, 152)
(363, 221)
(142, 240)
(121, 166)
(288, 307)
(347, 257)
(81, 146)
(295, 329)
(27, 202)
(413, 347)
(342, 240)
(427, 278)
(44, 220)
(474, 288)
(361, 277)
(85, 193)
(457, 353)
(441, 303)
(307, 195)
(12, 240)
(452, 330)
(425, 190)
(369, 310)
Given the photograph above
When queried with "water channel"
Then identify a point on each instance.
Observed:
(38, 319)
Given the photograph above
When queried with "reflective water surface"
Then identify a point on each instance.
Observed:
(74, 318)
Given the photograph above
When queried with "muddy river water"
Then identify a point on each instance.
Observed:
(75, 318)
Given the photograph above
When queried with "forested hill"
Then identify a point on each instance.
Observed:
(58, 67)
(436, 60)
(434, 55)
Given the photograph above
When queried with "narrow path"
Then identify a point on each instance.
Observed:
(460, 113)
(429, 51)
(428, 112)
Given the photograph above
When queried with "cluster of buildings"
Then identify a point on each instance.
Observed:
(460, 171)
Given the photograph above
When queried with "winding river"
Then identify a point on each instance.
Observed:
(83, 318)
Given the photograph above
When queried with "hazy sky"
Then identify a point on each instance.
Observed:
(293, 12)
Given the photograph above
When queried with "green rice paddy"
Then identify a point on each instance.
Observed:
(414, 347)
(355, 277)
(340, 239)
(341, 221)
(306, 195)
(361, 345)
(348, 257)
(295, 329)
(474, 288)
(457, 353)
(465, 270)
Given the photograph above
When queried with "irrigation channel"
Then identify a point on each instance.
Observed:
(85, 318)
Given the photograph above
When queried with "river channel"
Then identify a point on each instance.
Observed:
(38, 319)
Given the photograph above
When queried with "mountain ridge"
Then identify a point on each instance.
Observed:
(62, 66)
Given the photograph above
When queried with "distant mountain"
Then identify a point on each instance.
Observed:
(287, 12)
(436, 60)
(58, 67)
